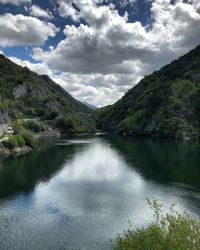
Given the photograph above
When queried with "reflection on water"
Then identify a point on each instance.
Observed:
(78, 194)
(163, 160)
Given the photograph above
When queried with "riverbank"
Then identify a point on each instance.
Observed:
(5, 152)
(47, 134)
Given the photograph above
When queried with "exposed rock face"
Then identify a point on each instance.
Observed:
(18, 150)
(49, 132)
(52, 106)
(4, 117)
(150, 127)
(36, 93)
(19, 91)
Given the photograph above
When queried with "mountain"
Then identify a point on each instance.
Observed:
(90, 105)
(27, 95)
(165, 103)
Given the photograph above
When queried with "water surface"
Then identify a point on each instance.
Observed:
(79, 193)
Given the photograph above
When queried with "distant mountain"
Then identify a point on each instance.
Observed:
(25, 94)
(165, 103)
(90, 105)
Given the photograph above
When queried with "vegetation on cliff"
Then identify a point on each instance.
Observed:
(26, 95)
(165, 103)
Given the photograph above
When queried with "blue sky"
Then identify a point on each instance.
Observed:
(97, 49)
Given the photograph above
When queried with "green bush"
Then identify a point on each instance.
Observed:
(34, 126)
(30, 139)
(20, 140)
(171, 231)
(10, 143)
(18, 127)
(65, 124)
(40, 111)
(14, 141)
(52, 115)
(133, 123)
(169, 127)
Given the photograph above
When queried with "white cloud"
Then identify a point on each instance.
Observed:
(24, 30)
(40, 68)
(38, 12)
(107, 55)
(97, 89)
(66, 7)
(67, 10)
(101, 59)
(92, 88)
(15, 2)
(109, 44)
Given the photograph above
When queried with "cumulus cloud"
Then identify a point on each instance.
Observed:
(92, 88)
(102, 58)
(67, 7)
(109, 41)
(40, 68)
(67, 10)
(15, 2)
(107, 44)
(24, 30)
(97, 89)
(36, 11)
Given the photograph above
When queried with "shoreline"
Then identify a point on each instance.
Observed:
(6, 152)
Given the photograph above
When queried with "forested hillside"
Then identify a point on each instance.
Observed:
(165, 103)
(26, 95)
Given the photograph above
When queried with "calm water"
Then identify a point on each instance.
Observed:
(78, 194)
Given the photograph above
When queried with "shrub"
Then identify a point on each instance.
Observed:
(20, 140)
(169, 127)
(30, 139)
(14, 141)
(17, 126)
(10, 143)
(171, 231)
(52, 115)
(133, 123)
(39, 111)
(34, 126)
(65, 124)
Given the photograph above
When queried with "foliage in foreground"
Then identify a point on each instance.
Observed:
(171, 231)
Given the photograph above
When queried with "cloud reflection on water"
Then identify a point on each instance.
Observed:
(88, 201)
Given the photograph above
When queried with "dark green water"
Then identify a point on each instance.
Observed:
(79, 193)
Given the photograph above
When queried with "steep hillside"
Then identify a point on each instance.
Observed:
(24, 94)
(165, 103)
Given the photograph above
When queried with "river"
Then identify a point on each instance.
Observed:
(80, 193)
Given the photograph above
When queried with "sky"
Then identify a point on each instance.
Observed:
(97, 49)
